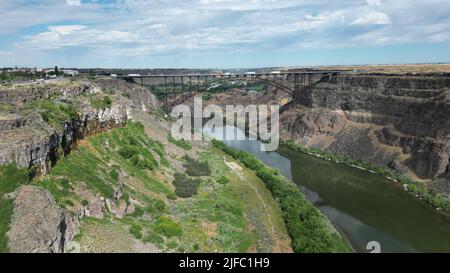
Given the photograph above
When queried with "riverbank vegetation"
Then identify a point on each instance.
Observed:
(310, 231)
(417, 189)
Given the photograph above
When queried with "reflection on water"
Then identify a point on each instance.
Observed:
(363, 206)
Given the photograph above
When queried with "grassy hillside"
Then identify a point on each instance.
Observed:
(181, 204)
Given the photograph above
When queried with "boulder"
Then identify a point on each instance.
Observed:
(38, 225)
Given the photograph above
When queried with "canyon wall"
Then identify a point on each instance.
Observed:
(401, 121)
(39, 123)
(30, 142)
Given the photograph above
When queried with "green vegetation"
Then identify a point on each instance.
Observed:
(80, 166)
(180, 143)
(97, 165)
(138, 212)
(223, 180)
(167, 227)
(206, 96)
(136, 231)
(132, 152)
(415, 188)
(213, 220)
(196, 167)
(6, 211)
(11, 178)
(307, 227)
(60, 188)
(185, 186)
(21, 75)
(101, 103)
(153, 237)
(55, 113)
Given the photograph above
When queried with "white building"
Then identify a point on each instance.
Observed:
(69, 72)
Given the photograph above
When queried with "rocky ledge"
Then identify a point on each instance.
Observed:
(38, 224)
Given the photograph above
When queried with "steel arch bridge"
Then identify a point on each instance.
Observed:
(175, 89)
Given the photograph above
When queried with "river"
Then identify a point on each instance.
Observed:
(363, 206)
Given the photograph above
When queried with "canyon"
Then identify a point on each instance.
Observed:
(87, 165)
(102, 169)
(399, 121)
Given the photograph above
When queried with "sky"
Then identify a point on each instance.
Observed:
(222, 33)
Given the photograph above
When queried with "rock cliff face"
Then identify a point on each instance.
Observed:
(39, 123)
(29, 141)
(401, 121)
(38, 225)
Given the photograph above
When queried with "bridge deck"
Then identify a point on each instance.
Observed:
(236, 74)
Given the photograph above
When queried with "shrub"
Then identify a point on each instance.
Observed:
(196, 247)
(206, 96)
(223, 180)
(159, 205)
(184, 186)
(180, 143)
(69, 202)
(167, 227)
(196, 168)
(171, 196)
(133, 141)
(128, 151)
(143, 163)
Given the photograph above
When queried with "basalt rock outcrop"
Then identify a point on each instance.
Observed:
(36, 140)
(401, 121)
(38, 225)
(30, 142)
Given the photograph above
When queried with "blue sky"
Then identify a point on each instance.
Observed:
(222, 33)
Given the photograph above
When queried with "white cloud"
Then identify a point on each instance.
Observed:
(66, 29)
(77, 35)
(372, 18)
(73, 2)
(141, 27)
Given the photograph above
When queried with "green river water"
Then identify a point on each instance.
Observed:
(363, 206)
